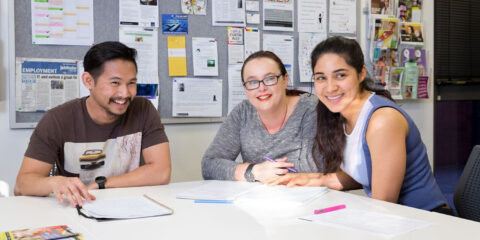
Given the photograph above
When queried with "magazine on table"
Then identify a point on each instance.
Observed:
(41, 233)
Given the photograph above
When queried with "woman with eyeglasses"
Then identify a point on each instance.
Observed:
(273, 129)
(365, 138)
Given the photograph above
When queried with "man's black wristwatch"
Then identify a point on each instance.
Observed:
(248, 173)
(101, 180)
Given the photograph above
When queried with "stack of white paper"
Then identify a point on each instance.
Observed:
(255, 193)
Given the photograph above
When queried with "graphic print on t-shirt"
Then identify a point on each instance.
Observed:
(110, 158)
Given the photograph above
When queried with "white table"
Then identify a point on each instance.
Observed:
(220, 221)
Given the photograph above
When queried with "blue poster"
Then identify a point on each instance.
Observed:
(174, 23)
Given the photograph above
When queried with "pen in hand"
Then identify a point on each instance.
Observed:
(273, 160)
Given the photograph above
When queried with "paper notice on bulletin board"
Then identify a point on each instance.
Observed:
(62, 22)
(42, 84)
(197, 97)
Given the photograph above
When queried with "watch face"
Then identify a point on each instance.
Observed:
(100, 179)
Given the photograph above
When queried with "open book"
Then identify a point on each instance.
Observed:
(243, 192)
(124, 208)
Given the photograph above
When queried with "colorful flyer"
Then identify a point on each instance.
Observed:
(411, 33)
(42, 233)
(395, 82)
(415, 55)
(410, 81)
(422, 91)
(386, 33)
(174, 23)
(195, 7)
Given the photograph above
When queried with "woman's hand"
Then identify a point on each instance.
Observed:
(267, 169)
(295, 179)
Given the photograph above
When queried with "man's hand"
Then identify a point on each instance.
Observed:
(267, 169)
(72, 188)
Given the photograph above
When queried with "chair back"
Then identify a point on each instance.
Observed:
(4, 189)
(467, 193)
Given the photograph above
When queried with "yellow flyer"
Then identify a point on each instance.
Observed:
(177, 56)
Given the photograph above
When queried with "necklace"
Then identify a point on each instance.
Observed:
(281, 125)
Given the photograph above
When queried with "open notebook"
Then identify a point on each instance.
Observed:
(124, 208)
(244, 192)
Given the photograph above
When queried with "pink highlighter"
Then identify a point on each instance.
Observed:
(329, 209)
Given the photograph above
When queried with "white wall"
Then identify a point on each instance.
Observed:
(187, 141)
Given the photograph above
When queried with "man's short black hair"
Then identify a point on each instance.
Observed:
(97, 55)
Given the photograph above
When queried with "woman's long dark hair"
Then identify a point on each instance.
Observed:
(276, 59)
(330, 139)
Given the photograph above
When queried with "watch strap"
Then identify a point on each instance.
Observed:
(101, 184)
(248, 173)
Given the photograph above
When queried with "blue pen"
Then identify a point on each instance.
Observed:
(213, 201)
(273, 160)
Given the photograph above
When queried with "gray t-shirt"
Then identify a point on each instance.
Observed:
(243, 133)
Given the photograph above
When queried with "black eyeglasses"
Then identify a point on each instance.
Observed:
(268, 81)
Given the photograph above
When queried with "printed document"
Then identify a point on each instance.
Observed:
(141, 13)
(196, 7)
(205, 57)
(145, 41)
(278, 15)
(343, 16)
(252, 41)
(62, 22)
(197, 97)
(235, 45)
(177, 56)
(253, 6)
(253, 18)
(282, 46)
(236, 92)
(306, 43)
(312, 16)
(228, 13)
(42, 84)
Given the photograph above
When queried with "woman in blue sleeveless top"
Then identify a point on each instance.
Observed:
(365, 139)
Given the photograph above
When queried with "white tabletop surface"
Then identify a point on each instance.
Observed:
(221, 221)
